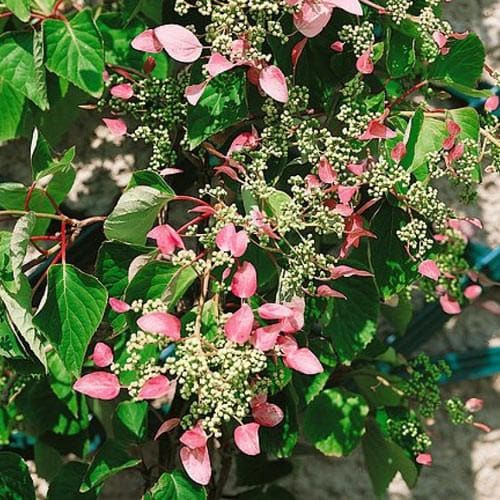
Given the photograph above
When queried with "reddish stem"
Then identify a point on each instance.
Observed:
(29, 194)
(191, 222)
(63, 241)
(408, 93)
(5, 14)
(192, 200)
(45, 238)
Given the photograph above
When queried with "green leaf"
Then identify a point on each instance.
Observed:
(151, 179)
(117, 37)
(20, 8)
(19, 245)
(399, 316)
(400, 54)
(277, 203)
(47, 459)
(222, 104)
(14, 111)
(66, 484)
(130, 421)
(17, 66)
(383, 459)
(175, 486)
(353, 321)
(374, 386)
(468, 119)
(135, 214)
(75, 51)
(18, 309)
(113, 262)
(110, 459)
(335, 421)
(42, 161)
(160, 280)
(463, 65)
(15, 479)
(72, 311)
(388, 260)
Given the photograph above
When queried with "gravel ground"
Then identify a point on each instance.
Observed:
(466, 461)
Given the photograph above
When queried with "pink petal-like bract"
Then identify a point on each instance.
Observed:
(167, 426)
(474, 404)
(218, 64)
(238, 327)
(179, 43)
(297, 50)
(346, 193)
(194, 92)
(162, 323)
(265, 338)
(327, 291)
(267, 414)
(424, 459)
(119, 306)
(351, 6)
(303, 360)
(154, 388)
(343, 271)
(472, 292)
(295, 322)
(481, 426)
(440, 38)
(102, 355)
(364, 64)
(398, 152)
(246, 438)
(449, 305)
(244, 283)
(166, 238)
(230, 240)
(123, 91)
(326, 172)
(116, 126)
(312, 18)
(247, 140)
(272, 81)
(98, 385)
(274, 311)
(194, 438)
(197, 464)
(492, 103)
(429, 269)
(147, 42)
(377, 130)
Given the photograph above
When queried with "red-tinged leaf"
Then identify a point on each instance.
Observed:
(119, 306)
(179, 43)
(166, 238)
(346, 193)
(337, 46)
(246, 438)
(424, 459)
(154, 388)
(327, 291)
(218, 64)
(326, 172)
(265, 338)
(98, 385)
(312, 18)
(272, 81)
(147, 42)
(472, 292)
(244, 283)
(274, 311)
(377, 130)
(398, 152)
(297, 51)
(295, 322)
(116, 126)
(102, 355)
(492, 103)
(267, 414)
(429, 269)
(449, 304)
(167, 426)
(123, 91)
(230, 240)
(304, 361)
(364, 64)
(238, 327)
(344, 271)
(162, 323)
(197, 464)
(194, 438)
